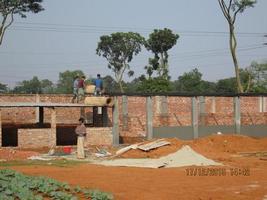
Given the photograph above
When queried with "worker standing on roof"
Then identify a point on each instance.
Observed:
(75, 89)
(98, 85)
(81, 87)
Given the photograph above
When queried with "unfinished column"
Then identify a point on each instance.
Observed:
(237, 114)
(115, 128)
(37, 109)
(125, 112)
(39, 112)
(213, 105)
(202, 110)
(262, 104)
(0, 128)
(194, 117)
(53, 136)
(149, 117)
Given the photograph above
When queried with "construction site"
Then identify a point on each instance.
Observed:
(142, 147)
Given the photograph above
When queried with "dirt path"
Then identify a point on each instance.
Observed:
(242, 178)
(157, 184)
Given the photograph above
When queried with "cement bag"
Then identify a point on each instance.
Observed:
(98, 101)
(89, 89)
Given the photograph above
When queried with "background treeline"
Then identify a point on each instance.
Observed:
(254, 78)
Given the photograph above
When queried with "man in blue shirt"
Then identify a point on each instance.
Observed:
(98, 85)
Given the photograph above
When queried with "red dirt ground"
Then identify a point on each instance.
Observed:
(129, 183)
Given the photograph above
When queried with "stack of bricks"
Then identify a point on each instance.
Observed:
(99, 136)
(35, 138)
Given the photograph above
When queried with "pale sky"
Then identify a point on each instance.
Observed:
(65, 35)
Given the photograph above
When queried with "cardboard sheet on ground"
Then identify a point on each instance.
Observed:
(183, 157)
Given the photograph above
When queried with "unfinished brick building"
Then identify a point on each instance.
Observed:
(133, 118)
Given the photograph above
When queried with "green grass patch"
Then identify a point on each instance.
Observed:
(15, 185)
(57, 163)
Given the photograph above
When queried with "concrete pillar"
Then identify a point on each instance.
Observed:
(202, 110)
(149, 117)
(115, 117)
(237, 113)
(194, 117)
(0, 128)
(82, 112)
(161, 105)
(124, 112)
(53, 136)
(37, 109)
(105, 116)
(213, 105)
(262, 104)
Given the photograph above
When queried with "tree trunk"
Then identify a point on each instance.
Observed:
(163, 66)
(121, 88)
(2, 29)
(233, 45)
(3, 26)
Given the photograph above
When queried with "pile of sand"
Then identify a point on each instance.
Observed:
(185, 156)
(209, 146)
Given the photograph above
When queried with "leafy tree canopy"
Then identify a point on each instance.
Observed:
(119, 49)
(192, 82)
(3, 88)
(65, 82)
(159, 42)
(34, 86)
(8, 8)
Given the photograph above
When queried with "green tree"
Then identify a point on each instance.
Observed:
(156, 84)
(47, 86)
(65, 82)
(32, 86)
(192, 82)
(135, 84)
(119, 49)
(230, 11)
(159, 42)
(3, 88)
(8, 8)
(258, 73)
(227, 85)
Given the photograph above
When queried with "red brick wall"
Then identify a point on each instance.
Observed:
(178, 111)
(33, 138)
